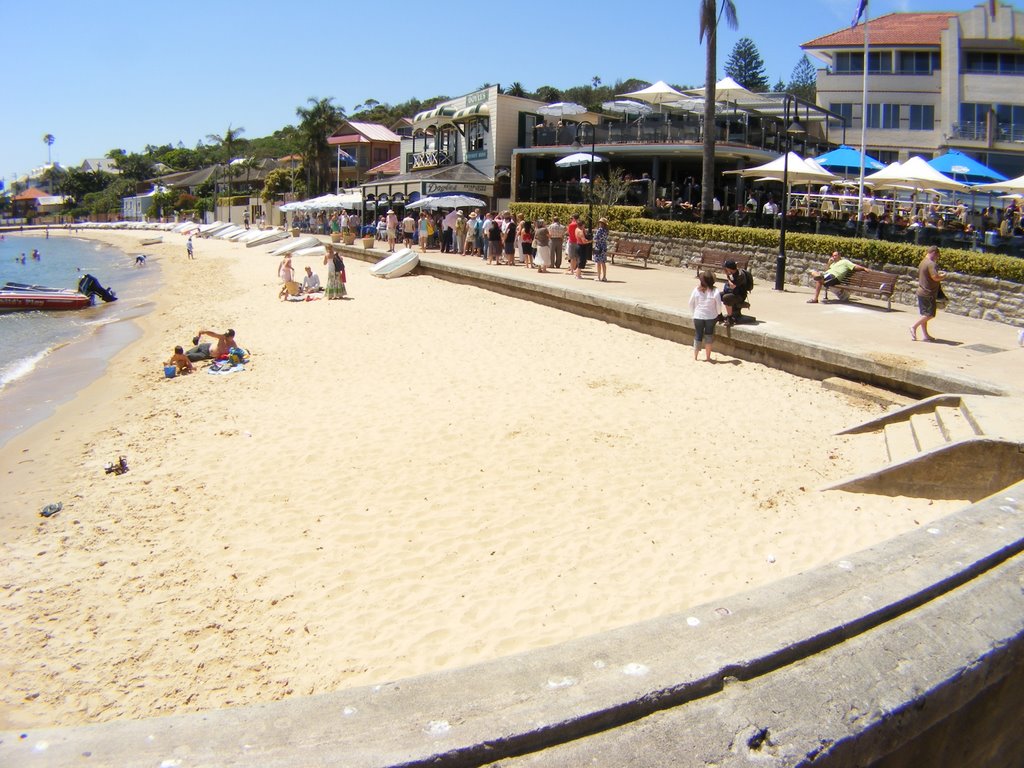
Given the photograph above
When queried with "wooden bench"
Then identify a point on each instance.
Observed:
(874, 284)
(715, 260)
(631, 249)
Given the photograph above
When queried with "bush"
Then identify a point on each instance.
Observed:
(873, 253)
(617, 215)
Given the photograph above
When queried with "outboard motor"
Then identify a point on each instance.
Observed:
(90, 286)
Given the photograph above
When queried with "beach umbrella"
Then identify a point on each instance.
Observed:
(915, 173)
(446, 201)
(658, 93)
(562, 109)
(965, 168)
(798, 172)
(627, 107)
(578, 158)
(846, 160)
(726, 89)
(1010, 185)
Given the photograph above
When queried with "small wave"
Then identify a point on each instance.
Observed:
(21, 368)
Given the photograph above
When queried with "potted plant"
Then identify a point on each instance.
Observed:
(335, 237)
(368, 241)
(348, 236)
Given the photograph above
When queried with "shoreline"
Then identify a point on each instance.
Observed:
(63, 371)
(420, 477)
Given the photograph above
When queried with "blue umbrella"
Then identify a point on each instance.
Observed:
(965, 168)
(846, 160)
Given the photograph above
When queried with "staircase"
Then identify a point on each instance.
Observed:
(946, 447)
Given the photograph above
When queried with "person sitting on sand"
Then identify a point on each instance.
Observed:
(838, 270)
(180, 361)
(205, 351)
(311, 282)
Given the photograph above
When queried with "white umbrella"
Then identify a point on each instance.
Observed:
(798, 172)
(1011, 185)
(627, 107)
(658, 93)
(578, 158)
(446, 201)
(726, 89)
(916, 173)
(562, 109)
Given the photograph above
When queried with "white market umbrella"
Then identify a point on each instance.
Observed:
(446, 201)
(562, 109)
(578, 158)
(726, 89)
(1010, 185)
(627, 107)
(657, 93)
(799, 170)
(914, 173)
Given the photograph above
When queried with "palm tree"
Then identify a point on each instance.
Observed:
(227, 141)
(709, 20)
(321, 119)
(48, 140)
(516, 89)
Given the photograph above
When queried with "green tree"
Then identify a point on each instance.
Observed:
(709, 21)
(318, 121)
(606, 192)
(804, 80)
(48, 140)
(746, 66)
(780, 86)
(549, 94)
(516, 89)
(227, 144)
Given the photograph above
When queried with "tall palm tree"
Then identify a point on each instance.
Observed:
(48, 140)
(227, 142)
(709, 20)
(318, 121)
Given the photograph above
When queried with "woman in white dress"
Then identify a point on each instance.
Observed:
(541, 246)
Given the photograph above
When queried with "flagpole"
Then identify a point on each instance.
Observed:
(863, 122)
(337, 184)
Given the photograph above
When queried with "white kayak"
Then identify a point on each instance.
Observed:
(295, 244)
(267, 238)
(397, 264)
(314, 250)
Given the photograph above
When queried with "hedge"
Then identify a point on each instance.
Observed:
(876, 253)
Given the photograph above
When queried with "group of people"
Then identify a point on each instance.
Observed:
(311, 281)
(219, 349)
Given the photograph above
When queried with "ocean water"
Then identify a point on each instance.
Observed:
(28, 340)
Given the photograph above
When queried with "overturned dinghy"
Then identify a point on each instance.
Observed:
(397, 264)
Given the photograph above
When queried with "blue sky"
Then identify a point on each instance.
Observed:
(113, 73)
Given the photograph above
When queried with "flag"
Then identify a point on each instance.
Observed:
(345, 158)
(862, 5)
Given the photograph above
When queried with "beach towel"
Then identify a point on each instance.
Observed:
(222, 367)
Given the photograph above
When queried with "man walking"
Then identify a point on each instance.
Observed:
(929, 280)
(188, 247)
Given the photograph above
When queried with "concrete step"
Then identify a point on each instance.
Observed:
(900, 441)
(927, 431)
(954, 423)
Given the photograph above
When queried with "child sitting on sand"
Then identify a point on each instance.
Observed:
(178, 359)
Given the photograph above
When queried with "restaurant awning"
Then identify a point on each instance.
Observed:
(433, 114)
(468, 112)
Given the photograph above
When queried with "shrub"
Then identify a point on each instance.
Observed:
(617, 215)
(874, 253)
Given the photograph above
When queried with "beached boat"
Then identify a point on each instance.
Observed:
(314, 250)
(152, 240)
(397, 264)
(268, 237)
(21, 297)
(295, 244)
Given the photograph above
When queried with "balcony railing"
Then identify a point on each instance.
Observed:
(648, 132)
(978, 132)
(430, 158)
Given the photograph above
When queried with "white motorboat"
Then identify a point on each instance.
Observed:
(397, 264)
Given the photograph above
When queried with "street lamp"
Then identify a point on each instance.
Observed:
(794, 129)
(577, 144)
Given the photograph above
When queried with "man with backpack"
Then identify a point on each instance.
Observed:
(738, 283)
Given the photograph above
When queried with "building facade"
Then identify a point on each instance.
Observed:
(936, 81)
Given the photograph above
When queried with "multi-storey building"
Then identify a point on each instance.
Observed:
(936, 81)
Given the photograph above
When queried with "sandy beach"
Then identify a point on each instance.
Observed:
(423, 476)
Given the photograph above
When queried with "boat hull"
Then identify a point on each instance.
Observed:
(22, 301)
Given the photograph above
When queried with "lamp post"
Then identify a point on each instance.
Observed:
(792, 130)
(590, 174)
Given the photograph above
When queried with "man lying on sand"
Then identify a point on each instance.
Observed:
(225, 341)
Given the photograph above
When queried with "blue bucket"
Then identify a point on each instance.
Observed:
(170, 371)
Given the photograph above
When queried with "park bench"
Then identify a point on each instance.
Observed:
(715, 260)
(874, 284)
(631, 249)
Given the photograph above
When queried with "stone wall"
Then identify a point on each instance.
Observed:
(986, 298)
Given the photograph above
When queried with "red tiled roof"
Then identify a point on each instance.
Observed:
(32, 193)
(389, 168)
(891, 29)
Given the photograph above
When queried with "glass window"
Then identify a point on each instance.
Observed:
(883, 115)
(874, 115)
(475, 134)
(922, 117)
(845, 109)
(849, 62)
(917, 62)
(879, 61)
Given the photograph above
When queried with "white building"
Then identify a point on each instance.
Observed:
(936, 81)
